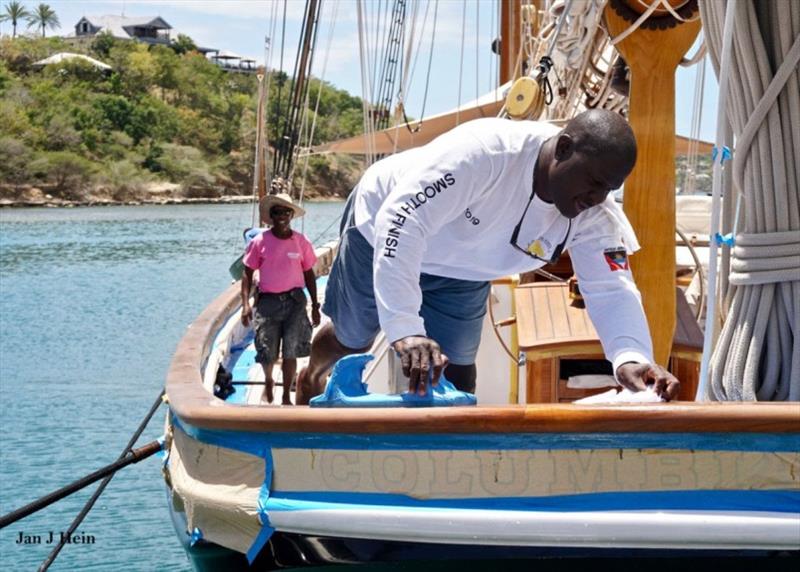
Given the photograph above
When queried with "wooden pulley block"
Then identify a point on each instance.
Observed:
(524, 99)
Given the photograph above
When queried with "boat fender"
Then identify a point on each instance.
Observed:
(345, 389)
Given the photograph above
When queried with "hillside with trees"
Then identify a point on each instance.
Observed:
(162, 123)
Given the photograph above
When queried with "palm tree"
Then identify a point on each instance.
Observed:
(15, 12)
(43, 17)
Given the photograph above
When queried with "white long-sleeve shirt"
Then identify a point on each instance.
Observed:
(449, 209)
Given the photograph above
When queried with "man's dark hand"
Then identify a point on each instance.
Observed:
(247, 314)
(637, 376)
(420, 356)
(315, 317)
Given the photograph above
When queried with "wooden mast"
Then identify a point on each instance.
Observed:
(260, 170)
(510, 18)
(653, 56)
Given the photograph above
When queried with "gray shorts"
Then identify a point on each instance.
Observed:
(281, 319)
(452, 309)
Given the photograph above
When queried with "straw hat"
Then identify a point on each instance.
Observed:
(281, 199)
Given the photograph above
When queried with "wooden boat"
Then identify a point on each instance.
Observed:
(526, 473)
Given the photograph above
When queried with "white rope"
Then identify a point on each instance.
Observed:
(646, 14)
(757, 356)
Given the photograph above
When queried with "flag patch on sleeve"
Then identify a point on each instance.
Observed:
(616, 258)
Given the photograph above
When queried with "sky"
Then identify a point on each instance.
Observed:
(462, 26)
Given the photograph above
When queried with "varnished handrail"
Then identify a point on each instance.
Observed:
(194, 405)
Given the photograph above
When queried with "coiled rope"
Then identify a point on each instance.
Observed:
(757, 356)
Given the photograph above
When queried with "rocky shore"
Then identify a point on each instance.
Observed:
(163, 194)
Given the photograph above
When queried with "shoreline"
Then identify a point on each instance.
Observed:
(61, 203)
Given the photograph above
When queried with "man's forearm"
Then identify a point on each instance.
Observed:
(247, 284)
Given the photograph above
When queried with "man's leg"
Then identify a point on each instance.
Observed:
(288, 368)
(350, 304)
(462, 376)
(269, 383)
(325, 351)
(454, 311)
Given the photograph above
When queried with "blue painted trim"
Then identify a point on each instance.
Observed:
(258, 443)
(785, 501)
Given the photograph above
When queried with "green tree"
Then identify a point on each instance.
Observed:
(65, 170)
(43, 17)
(183, 44)
(15, 12)
(102, 43)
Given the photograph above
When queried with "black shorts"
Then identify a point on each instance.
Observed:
(281, 319)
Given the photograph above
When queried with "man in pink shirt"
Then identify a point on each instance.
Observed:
(284, 260)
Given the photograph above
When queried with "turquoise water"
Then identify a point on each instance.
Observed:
(93, 302)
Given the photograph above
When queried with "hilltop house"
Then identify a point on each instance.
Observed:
(151, 30)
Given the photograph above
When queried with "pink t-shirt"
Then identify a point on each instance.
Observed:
(280, 262)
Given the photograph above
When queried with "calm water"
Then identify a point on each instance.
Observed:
(93, 302)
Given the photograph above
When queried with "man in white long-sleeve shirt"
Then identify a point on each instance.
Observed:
(426, 230)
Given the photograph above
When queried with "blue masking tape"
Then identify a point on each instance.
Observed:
(784, 501)
(726, 239)
(258, 443)
(726, 154)
(263, 499)
(195, 537)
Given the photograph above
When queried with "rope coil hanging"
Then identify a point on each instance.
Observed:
(757, 355)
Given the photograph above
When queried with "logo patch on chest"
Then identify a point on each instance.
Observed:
(616, 258)
(293, 255)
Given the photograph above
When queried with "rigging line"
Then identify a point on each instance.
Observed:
(289, 122)
(492, 57)
(427, 76)
(304, 88)
(477, 50)
(406, 55)
(101, 487)
(133, 456)
(417, 51)
(385, 65)
(280, 90)
(260, 110)
(461, 61)
(372, 53)
(334, 220)
(320, 84)
(364, 72)
(394, 56)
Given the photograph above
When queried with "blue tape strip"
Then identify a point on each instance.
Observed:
(260, 443)
(195, 537)
(263, 500)
(726, 239)
(726, 154)
(736, 500)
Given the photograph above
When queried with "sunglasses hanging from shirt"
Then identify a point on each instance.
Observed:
(535, 245)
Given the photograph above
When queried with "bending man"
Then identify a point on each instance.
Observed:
(425, 231)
